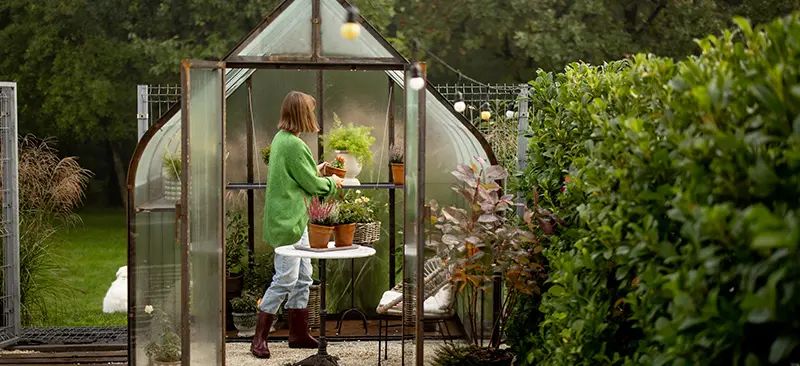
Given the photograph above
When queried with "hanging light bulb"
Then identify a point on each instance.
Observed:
(351, 29)
(417, 82)
(460, 106)
(510, 111)
(485, 114)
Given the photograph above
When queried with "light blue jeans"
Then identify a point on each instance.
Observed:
(292, 278)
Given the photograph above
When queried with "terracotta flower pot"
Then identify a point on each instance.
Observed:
(398, 174)
(329, 171)
(319, 236)
(343, 235)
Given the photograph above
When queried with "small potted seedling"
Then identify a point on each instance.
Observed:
(321, 219)
(397, 161)
(336, 167)
(245, 311)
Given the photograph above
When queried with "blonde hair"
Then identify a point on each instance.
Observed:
(297, 113)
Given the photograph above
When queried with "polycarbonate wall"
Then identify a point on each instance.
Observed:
(157, 262)
(206, 232)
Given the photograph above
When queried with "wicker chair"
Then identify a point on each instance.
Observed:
(400, 302)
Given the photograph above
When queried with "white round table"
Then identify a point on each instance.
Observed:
(322, 357)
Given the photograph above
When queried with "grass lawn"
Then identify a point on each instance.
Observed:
(91, 254)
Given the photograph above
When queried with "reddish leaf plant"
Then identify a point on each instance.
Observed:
(487, 243)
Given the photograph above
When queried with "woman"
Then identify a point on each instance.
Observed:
(293, 180)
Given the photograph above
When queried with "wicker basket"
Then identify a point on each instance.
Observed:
(368, 233)
(313, 306)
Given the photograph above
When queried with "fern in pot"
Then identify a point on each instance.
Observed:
(352, 143)
(172, 166)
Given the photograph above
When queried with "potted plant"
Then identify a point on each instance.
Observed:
(171, 164)
(245, 311)
(368, 228)
(336, 167)
(397, 160)
(352, 143)
(165, 348)
(346, 218)
(235, 255)
(484, 242)
(321, 218)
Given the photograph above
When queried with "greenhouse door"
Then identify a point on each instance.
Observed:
(10, 325)
(203, 239)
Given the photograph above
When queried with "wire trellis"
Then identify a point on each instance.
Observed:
(9, 218)
(500, 131)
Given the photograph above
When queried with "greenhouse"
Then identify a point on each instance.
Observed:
(197, 180)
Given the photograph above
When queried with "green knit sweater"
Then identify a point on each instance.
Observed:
(293, 181)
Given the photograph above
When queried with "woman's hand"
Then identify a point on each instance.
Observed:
(338, 181)
(320, 167)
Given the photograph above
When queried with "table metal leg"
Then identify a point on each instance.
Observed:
(322, 358)
(352, 303)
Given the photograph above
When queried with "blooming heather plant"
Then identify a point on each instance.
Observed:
(322, 213)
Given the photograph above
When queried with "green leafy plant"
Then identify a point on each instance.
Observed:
(349, 213)
(361, 208)
(265, 152)
(247, 303)
(172, 166)
(235, 243)
(680, 185)
(258, 278)
(167, 344)
(356, 140)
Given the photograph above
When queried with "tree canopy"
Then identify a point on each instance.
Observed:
(77, 61)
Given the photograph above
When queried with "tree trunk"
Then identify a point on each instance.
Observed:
(120, 172)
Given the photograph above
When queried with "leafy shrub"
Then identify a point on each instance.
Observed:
(236, 245)
(680, 182)
(259, 277)
(247, 303)
(265, 153)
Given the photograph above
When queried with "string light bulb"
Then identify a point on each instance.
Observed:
(460, 106)
(510, 111)
(485, 114)
(417, 82)
(351, 29)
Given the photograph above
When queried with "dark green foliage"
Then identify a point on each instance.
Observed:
(468, 355)
(235, 243)
(259, 277)
(681, 184)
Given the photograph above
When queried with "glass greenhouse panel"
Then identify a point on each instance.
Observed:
(333, 44)
(206, 144)
(411, 245)
(289, 34)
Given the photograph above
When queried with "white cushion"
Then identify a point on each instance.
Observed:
(435, 306)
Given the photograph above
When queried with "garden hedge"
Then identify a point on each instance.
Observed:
(681, 184)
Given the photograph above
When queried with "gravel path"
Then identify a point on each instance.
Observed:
(349, 353)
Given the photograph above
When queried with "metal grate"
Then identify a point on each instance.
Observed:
(501, 132)
(10, 322)
(74, 335)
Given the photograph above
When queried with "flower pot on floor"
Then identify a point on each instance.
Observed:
(343, 235)
(233, 289)
(352, 166)
(245, 322)
(319, 236)
(398, 174)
